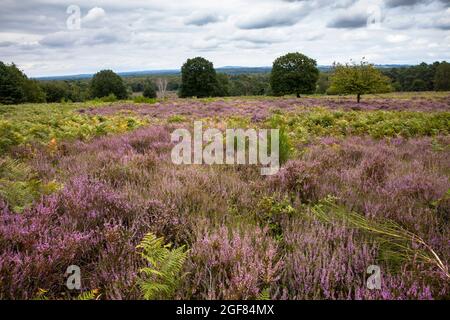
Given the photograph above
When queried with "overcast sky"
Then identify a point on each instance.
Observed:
(43, 39)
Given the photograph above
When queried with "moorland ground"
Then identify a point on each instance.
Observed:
(362, 184)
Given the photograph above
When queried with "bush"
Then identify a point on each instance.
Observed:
(227, 265)
(149, 91)
(105, 83)
(110, 98)
(142, 99)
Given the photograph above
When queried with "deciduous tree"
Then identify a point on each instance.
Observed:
(294, 73)
(359, 79)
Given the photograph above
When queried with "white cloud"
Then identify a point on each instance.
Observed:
(397, 38)
(159, 34)
(96, 14)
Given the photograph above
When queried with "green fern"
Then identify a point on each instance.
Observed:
(264, 295)
(161, 278)
(88, 295)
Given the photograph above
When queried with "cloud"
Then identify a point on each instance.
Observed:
(79, 38)
(6, 44)
(397, 38)
(402, 3)
(121, 35)
(201, 19)
(96, 14)
(349, 21)
(411, 3)
(59, 39)
(273, 18)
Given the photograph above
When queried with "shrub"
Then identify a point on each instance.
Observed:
(84, 224)
(149, 90)
(227, 265)
(109, 98)
(142, 99)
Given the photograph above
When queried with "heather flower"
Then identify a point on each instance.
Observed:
(227, 265)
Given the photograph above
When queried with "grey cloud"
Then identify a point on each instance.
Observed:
(442, 23)
(401, 3)
(202, 19)
(349, 22)
(6, 44)
(275, 18)
(410, 3)
(327, 3)
(79, 38)
(59, 39)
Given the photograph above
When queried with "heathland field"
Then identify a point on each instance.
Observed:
(93, 185)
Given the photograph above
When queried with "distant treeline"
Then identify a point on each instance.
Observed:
(16, 87)
(423, 77)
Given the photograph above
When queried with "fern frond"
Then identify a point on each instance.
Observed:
(161, 278)
(396, 241)
(88, 295)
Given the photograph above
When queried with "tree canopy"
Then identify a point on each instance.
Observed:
(198, 78)
(359, 79)
(105, 83)
(149, 90)
(294, 73)
(15, 87)
(442, 77)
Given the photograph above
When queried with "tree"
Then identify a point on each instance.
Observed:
(419, 85)
(294, 73)
(149, 90)
(222, 85)
(323, 83)
(442, 77)
(105, 83)
(11, 89)
(33, 91)
(15, 87)
(198, 78)
(358, 79)
(55, 91)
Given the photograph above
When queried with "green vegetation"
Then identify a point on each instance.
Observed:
(16, 88)
(358, 79)
(105, 83)
(149, 90)
(442, 77)
(423, 77)
(378, 124)
(31, 123)
(198, 79)
(163, 275)
(294, 73)
(397, 243)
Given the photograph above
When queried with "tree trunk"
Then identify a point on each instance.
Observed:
(359, 98)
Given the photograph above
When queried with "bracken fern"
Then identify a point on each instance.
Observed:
(397, 243)
(163, 275)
